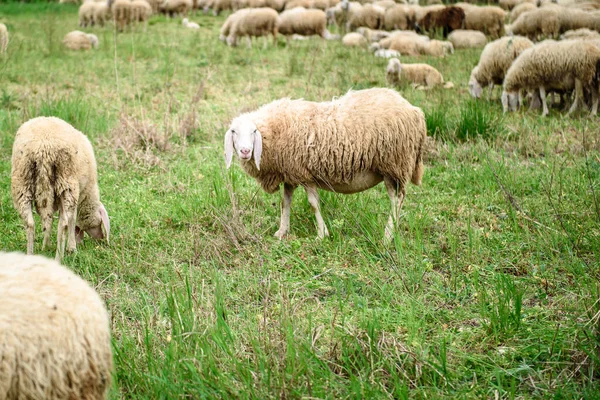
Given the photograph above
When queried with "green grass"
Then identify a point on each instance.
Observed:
(490, 288)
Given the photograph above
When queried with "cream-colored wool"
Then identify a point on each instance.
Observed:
(121, 11)
(520, 9)
(467, 39)
(77, 40)
(549, 62)
(538, 23)
(298, 3)
(100, 13)
(141, 11)
(496, 58)
(54, 333)
(408, 44)
(276, 5)
(354, 39)
(240, 4)
(253, 22)
(180, 7)
(342, 12)
(54, 168)
(347, 145)
(3, 38)
(302, 21)
(487, 19)
(510, 4)
(86, 14)
(436, 48)
(583, 34)
(226, 28)
(399, 17)
(385, 4)
(369, 16)
(419, 74)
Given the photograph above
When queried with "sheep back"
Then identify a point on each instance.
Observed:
(301, 21)
(254, 22)
(54, 332)
(465, 39)
(367, 130)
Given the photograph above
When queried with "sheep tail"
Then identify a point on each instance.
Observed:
(417, 174)
(45, 178)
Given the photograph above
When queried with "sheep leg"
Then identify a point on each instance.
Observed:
(313, 199)
(396, 199)
(490, 91)
(27, 216)
(544, 104)
(578, 96)
(249, 41)
(594, 110)
(63, 224)
(286, 204)
(72, 244)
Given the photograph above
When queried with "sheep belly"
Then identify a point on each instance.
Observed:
(361, 182)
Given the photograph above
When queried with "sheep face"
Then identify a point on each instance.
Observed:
(97, 224)
(244, 138)
(475, 88)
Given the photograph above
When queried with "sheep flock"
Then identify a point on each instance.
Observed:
(55, 341)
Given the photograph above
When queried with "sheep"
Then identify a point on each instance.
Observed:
(53, 167)
(446, 19)
(3, 38)
(385, 4)
(121, 11)
(77, 40)
(423, 75)
(240, 4)
(178, 7)
(372, 35)
(253, 22)
(399, 17)
(369, 16)
(510, 4)
(276, 5)
(226, 27)
(467, 39)
(406, 43)
(420, 12)
(550, 64)
(487, 19)
(347, 146)
(540, 22)
(520, 9)
(86, 14)
(340, 14)
(496, 58)
(100, 13)
(190, 25)
(583, 33)
(436, 48)
(141, 11)
(300, 21)
(54, 330)
(354, 39)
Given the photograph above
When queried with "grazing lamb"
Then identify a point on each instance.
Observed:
(54, 168)
(54, 333)
(3, 38)
(550, 64)
(302, 21)
(466, 39)
(78, 40)
(251, 22)
(347, 145)
(423, 75)
(583, 33)
(496, 58)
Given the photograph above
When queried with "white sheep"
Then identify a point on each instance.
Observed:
(347, 145)
(3, 38)
(190, 25)
(251, 22)
(467, 39)
(77, 40)
(424, 76)
(54, 168)
(554, 65)
(302, 21)
(54, 333)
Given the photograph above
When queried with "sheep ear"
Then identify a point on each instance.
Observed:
(105, 221)
(228, 148)
(257, 148)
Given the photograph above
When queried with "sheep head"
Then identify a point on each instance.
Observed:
(244, 138)
(98, 222)
(510, 101)
(475, 88)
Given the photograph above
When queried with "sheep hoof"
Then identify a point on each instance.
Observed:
(280, 234)
(323, 234)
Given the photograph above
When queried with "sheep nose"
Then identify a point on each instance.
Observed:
(245, 152)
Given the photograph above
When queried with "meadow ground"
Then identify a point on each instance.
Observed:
(490, 289)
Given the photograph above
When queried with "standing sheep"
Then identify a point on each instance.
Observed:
(423, 75)
(496, 58)
(54, 168)
(399, 17)
(551, 64)
(300, 21)
(54, 333)
(3, 38)
(466, 39)
(121, 11)
(251, 22)
(369, 16)
(487, 19)
(447, 19)
(347, 145)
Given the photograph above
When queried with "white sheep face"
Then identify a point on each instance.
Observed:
(245, 140)
(475, 88)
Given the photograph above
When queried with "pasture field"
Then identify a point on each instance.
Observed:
(491, 288)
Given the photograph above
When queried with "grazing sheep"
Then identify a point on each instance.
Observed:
(239, 4)
(77, 40)
(342, 12)
(141, 11)
(302, 21)
(520, 9)
(252, 22)
(100, 13)
(86, 14)
(447, 19)
(354, 39)
(466, 39)
(54, 332)
(347, 146)
(3, 38)
(399, 17)
(422, 75)
(538, 23)
(496, 58)
(53, 168)
(276, 5)
(487, 19)
(190, 25)
(550, 63)
(121, 11)
(369, 16)
(179, 7)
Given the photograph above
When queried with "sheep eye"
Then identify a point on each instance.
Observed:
(255, 131)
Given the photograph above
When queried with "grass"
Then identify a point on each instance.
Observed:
(490, 289)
